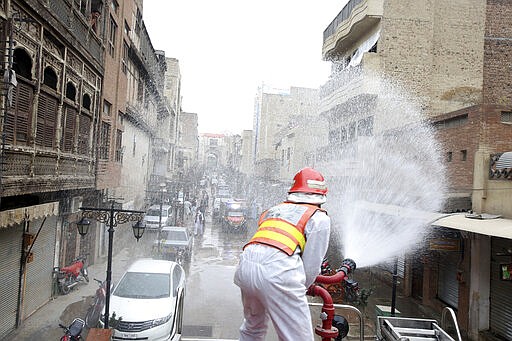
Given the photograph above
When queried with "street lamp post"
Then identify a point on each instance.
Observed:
(112, 216)
(163, 190)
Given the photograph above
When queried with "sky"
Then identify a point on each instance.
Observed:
(228, 48)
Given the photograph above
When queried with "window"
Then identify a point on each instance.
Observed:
(82, 5)
(50, 78)
(124, 62)
(114, 5)
(18, 120)
(83, 134)
(138, 22)
(68, 130)
(46, 120)
(506, 116)
(119, 146)
(449, 156)
(104, 141)
(463, 155)
(107, 108)
(112, 36)
(453, 122)
(70, 91)
(365, 127)
(86, 101)
(126, 28)
(22, 63)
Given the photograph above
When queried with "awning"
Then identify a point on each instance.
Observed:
(504, 161)
(489, 225)
(398, 211)
(497, 227)
(29, 213)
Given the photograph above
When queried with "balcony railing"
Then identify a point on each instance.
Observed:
(26, 171)
(342, 16)
(79, 28)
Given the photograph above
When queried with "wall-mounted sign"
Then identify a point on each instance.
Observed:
(506, 272)
(445, 244)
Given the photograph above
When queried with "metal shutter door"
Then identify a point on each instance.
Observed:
(501, 291)
(447, 284)
(38, 288)
(10, 254)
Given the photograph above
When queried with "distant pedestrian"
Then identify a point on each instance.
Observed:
(187, 205)
(199, 222)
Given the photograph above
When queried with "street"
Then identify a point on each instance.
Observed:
(213, 308)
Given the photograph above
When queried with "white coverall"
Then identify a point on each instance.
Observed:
(274, 285)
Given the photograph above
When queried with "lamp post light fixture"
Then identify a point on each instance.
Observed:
(83, 226)
(112, 217)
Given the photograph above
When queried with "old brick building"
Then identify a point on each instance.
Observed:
(49, 121)
(454, 59)
(84, 120)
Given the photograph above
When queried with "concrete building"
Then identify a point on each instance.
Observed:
(188, 142)
(212, 151)
(246, 166)
(274, 112)
(455, 67)
(84, 120)
(172, 93)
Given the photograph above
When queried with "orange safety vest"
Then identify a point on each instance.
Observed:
(282, 226)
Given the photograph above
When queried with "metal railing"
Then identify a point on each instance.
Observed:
(342, 16)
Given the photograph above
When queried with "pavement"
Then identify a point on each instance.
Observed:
(44, 323)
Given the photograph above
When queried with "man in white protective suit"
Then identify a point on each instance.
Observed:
(282, 260)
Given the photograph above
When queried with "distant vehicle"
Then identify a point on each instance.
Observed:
(235, 217)
(175, 244)
(216, 208)
(223, 193)
(152, 217)
(148, 301)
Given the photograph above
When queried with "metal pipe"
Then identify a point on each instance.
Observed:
(347, 307)
(393, 292)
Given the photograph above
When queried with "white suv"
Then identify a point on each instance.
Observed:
(152, 217)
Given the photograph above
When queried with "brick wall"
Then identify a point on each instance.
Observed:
(435, 49)
(498, 54)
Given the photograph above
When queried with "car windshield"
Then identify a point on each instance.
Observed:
(177, 235)
(143, 285)
(154, 213)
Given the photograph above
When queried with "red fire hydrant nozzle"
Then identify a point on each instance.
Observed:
(326, 330)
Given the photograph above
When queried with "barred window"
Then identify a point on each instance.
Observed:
(506, 116)
(112, 36)
(119, 146)
(104, 144)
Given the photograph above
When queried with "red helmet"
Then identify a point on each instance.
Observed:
(308, 180)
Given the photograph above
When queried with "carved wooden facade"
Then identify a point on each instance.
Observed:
(50, 124)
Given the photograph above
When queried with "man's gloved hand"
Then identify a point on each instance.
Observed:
(347, 266)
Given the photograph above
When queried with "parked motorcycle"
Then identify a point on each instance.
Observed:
(93, 313)
(69, 276)
(74, 331)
